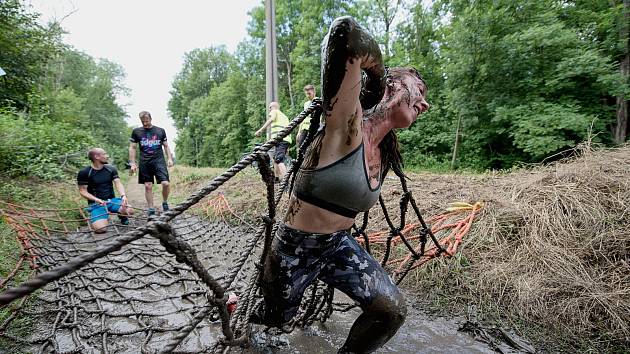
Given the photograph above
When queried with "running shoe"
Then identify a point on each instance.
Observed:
(165, 206)
(231, 303)
(151, 211)
(124, 220)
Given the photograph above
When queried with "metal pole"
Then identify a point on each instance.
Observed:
(271, 57)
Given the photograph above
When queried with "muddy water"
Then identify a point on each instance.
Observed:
(419, 334)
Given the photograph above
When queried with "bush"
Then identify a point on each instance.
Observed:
(39, 148)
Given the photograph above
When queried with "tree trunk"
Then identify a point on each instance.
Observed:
(621, 128)
(457, 142)
(196, 151)
(388, 14)
(290, 83)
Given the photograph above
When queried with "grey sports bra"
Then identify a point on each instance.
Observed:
(342, 187)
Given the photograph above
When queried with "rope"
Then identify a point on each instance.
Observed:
(44, 278)
(181, 276)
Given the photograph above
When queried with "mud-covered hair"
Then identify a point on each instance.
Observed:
(389, 146)
(390, 155)
(398, 73)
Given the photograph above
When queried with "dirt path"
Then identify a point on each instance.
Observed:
(135, 193)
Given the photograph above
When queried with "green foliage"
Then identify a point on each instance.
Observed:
(502, 56)
(223, 130)
(541, 128)
(301, 25)
(526, 79)
(39, 148)
(55, 102)
(203, 69)
(25, 48)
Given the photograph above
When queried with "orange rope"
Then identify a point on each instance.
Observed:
(219, 205)
(439, 223)
(23, 239)
(21, 219)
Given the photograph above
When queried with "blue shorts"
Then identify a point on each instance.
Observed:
(296, 259)
(100, 212)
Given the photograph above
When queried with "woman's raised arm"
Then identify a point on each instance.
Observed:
(347, 50)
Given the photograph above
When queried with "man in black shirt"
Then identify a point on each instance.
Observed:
(152, 166)
(96, 184)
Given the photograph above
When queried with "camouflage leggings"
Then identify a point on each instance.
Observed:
(298, 258)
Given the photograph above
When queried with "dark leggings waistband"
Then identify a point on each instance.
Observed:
(293, 236)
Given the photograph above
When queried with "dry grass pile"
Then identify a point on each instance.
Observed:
(553, 245)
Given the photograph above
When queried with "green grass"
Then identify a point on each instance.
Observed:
(9, 257)
(10, 254)
(38, 194)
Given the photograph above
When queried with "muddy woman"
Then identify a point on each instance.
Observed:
(341, 176)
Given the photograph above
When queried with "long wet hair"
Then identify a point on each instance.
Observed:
(389, 146)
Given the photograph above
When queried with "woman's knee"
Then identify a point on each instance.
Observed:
(100, 226)
(391, 309)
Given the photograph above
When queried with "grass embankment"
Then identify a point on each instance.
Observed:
(549, 254)
(245, 192)
(37, 194)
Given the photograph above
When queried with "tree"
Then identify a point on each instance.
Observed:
(504, 56)
(203, 69)
(508, 81)
(604, 23)
(25, 49)
(417, 44)
(54, 94)
(380, 15)
(621, 126)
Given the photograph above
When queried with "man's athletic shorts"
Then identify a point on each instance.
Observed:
(100, 212)
(281, 152)
(298, 258)
(152, 172)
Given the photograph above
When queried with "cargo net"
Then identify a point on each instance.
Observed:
(162, 285)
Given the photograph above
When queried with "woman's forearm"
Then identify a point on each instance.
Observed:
(346, 40)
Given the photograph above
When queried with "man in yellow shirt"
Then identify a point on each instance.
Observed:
(278, 121)
(309, 91)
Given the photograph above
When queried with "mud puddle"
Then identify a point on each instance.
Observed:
(420, 333)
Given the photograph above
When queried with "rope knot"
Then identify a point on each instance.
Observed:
(316, 104)
(424, 232)
(267, 220)
(164, 232)
(395, 231)
(162, 227)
